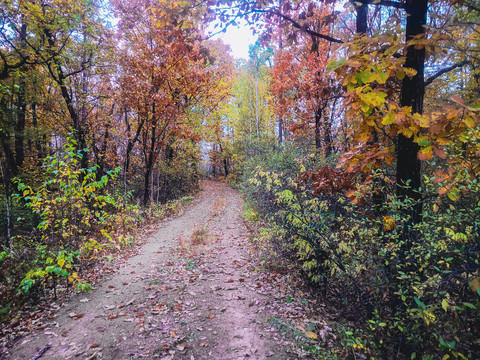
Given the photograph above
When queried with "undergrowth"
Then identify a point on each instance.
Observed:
(80, 222)
(402, 291)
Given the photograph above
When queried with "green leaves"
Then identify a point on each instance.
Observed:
(334, 64)
(419, 303)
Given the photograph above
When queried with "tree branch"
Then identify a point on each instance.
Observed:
(472, 6)
(5, 71)
(304, 28)
(388, 3)
(445, 70)
(394, 4)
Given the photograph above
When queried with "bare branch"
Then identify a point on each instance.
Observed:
(445, 70)
(308, 31)
(388, 3)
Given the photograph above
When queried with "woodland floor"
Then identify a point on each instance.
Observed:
(196, 290)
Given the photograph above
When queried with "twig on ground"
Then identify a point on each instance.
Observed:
(42, 351)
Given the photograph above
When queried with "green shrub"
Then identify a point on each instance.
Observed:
(417, 293)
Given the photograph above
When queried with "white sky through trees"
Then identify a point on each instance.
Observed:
(238, 38)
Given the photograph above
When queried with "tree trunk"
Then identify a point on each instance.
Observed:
(362, 15)
(413, 90)
(318, 123)
(280, 118)
(149, 167)
(6, 188)
(21, 108)
(257, 102)
(60, 78)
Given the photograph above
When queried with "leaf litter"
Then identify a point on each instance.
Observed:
(187, 295)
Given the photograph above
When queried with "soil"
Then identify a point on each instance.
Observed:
(196, 290)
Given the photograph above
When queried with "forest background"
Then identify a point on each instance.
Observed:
(352, 129)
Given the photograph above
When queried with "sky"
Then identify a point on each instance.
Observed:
(239, 39)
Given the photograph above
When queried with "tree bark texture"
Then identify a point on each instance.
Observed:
(408, 170)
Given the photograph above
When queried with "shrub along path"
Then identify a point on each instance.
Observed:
(195, 291)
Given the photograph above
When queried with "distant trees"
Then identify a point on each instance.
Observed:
(129, 93)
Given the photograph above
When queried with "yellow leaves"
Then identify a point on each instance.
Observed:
(389, 119)
(388, 223)
(406, 132)
(469, 121)
(428, 317)
(454, 194)
(311, 335)
(425, 153)
(445, 305)
(400, 75)
(74, 277)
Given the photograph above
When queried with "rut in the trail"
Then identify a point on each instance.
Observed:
(192, 293)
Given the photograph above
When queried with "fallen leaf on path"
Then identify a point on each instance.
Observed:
(112, 316)
(211, 316)
(181, 346)
(76, 316)
(93, 346)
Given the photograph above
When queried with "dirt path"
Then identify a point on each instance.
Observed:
(193, 292)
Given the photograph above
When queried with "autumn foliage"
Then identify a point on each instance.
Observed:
(353, 129)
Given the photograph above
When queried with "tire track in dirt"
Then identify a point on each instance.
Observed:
(191, 293)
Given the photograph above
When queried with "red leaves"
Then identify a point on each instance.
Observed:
(328, 180)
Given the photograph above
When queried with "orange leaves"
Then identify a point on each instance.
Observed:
(388, 223)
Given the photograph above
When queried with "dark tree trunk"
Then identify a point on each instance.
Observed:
(413, 90)
(362, 15)
(149, 168)
(225, 166)
(60, 78)
(6, 144)
(225, 162)
(280, 118)
(20, 124)
(327, 129)
(38, 142)
(21, 108)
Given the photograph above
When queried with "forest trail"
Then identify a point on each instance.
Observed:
(193, 292)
